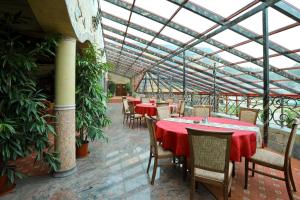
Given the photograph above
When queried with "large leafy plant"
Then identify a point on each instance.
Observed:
(23, 128)
(91, 99)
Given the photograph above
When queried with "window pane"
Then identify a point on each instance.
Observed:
(172, 33)
(160, 7)
(193, 21)
(223, 8)
(288, 38)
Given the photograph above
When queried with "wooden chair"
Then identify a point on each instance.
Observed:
(202, 110)
(210, 164)
(163, 112)
(156, 150)
(160, 104)
(145, 100)
(275, 161)
(180, 109)
(126, 111)
(248, 115)
(133, 116)
(170, 100)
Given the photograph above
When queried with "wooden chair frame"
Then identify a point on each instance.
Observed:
(287, 168)
(154, 149)
(226, 184)
(251, 110)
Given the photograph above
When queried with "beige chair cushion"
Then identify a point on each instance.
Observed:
(163, 153)
(214, 176)
(174, 115)
(268, 157)
(138, 115)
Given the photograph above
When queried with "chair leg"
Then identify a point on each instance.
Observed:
(288, 186)
(192, 190)
(246, 173)
(149, 162)
(225, 192)
(154, 171)
(253, 167)
(291, 176)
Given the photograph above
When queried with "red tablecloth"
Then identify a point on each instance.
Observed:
(173, 136)
(146, 108)
(150, 108)
(138, 101)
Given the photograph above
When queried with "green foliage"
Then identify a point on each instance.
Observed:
(90, 97)
(112, 87)
(23, 128)
(128, 88)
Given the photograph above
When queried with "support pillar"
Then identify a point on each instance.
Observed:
(65, 105)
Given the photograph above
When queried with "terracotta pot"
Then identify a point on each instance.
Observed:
(5, 185)
(83, 150)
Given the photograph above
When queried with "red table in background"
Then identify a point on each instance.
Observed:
(174, 137)
(138, 101)
(150, 108)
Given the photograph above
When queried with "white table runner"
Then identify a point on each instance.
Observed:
(221, 125)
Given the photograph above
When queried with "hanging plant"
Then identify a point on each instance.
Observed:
(23, 128)
(91, 99)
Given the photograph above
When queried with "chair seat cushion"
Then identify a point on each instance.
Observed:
(174, 115)
(137, 115)
(263, 156)
(213, 176)
(163, 153)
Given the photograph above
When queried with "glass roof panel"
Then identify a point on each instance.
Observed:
(139, 34)
(229, 57)
(295, 3)
(251, 67)
(287, 38)
(145, 22)
(162, 8)
(282, 62)
(165, 44)
(229, 37)
(207, 47)
(187, 18)
(172, 33)
(113, 34)
(223, 8)
(116, 10)
(113, 24)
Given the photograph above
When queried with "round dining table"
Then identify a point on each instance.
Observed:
(150, 108)
(138, 101)
(173, 136)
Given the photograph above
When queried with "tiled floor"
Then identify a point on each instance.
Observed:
(117, 170)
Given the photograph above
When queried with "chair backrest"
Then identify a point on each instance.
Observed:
(210, 150)
(131, 107)
(248, 115)
(291, 141)
(163, 112)
(202, 110)
(151, 129)
(170, 101)
(145, 100)
(125, 105)
(181, 104)
(159, 104)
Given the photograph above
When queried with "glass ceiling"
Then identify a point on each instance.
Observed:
(159, 37)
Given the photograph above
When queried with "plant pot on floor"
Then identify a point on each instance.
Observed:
(83, 150)
(5, 185)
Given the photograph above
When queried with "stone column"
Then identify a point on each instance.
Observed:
(65, 105)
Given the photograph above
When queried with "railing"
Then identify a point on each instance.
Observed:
(282, 109)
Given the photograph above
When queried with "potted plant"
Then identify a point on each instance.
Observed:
(112, 87)
(91, 99)
(23, 128)
(128, 89)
